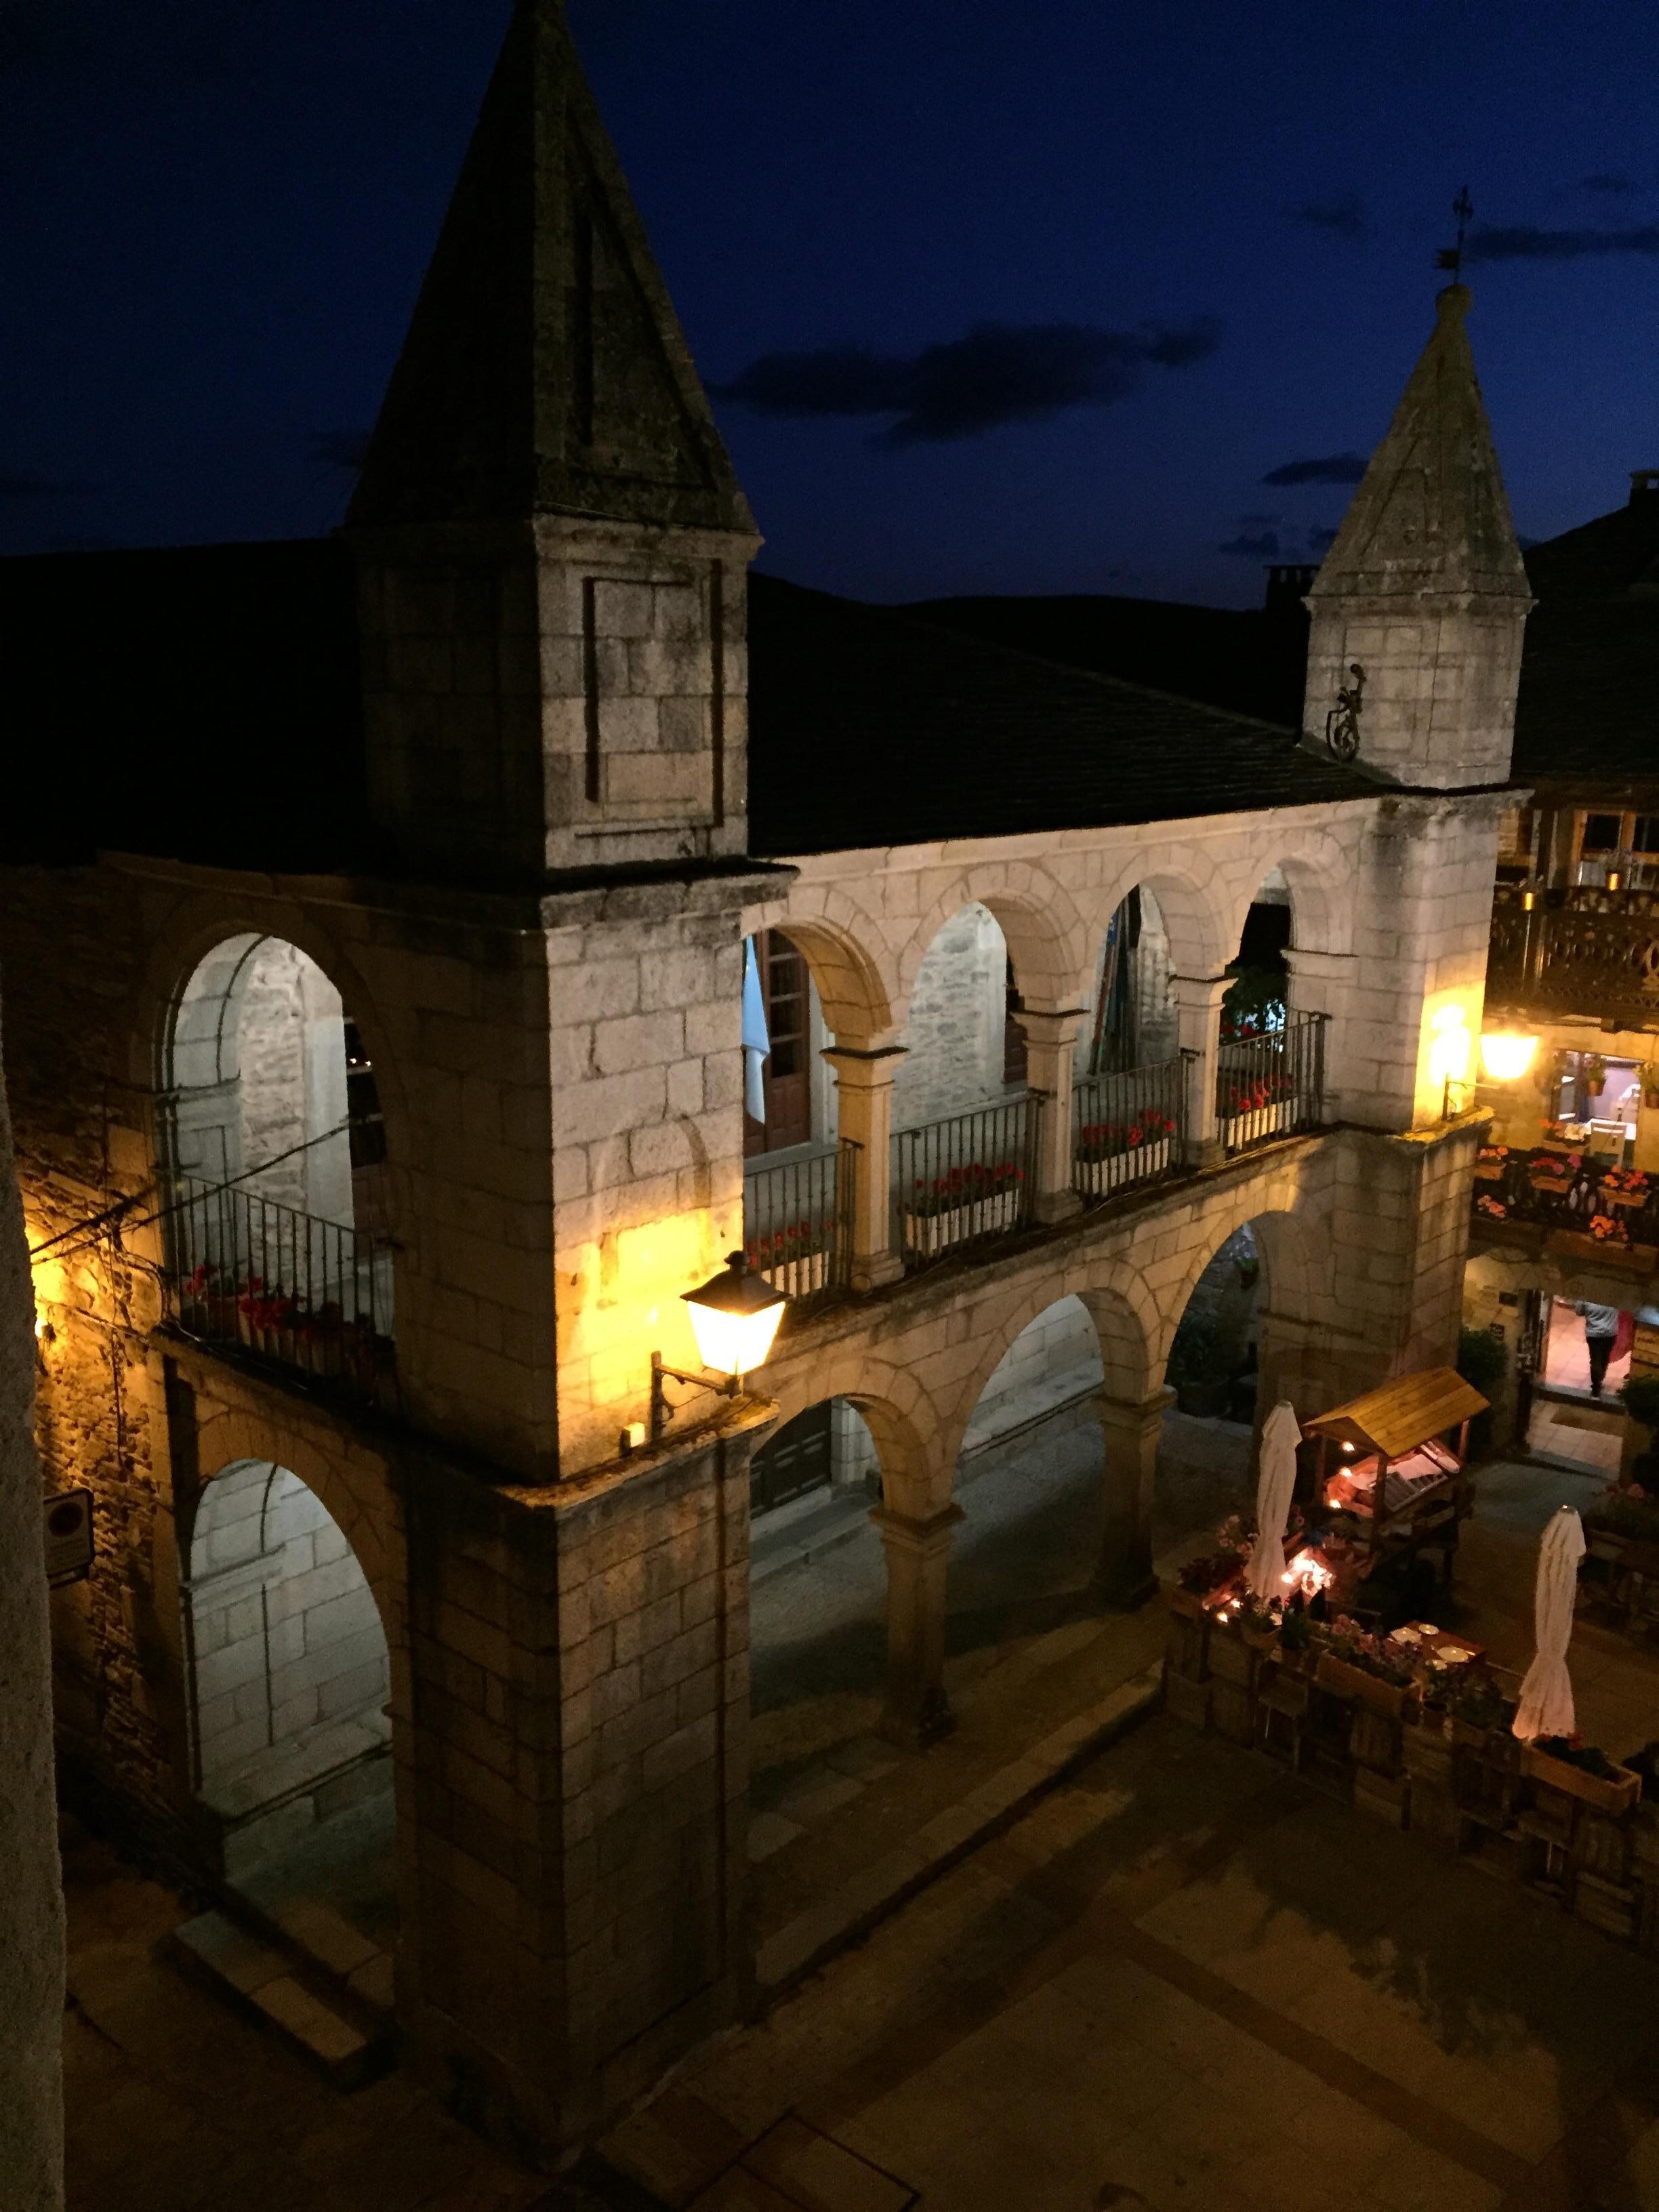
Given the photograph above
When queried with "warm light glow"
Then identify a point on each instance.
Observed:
(1449, 1045)
(735, 1318)
(1505, 1057)
(1309, 1573)
(40, 1327)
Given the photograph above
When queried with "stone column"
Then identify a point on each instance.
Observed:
(1198, 998)
(864, 1097)
(918, 1551)
(1129, 1431)
(31, 1894)
(1049, 1038)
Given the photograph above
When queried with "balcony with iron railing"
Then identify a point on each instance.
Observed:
(1272, 1086)
(797, 1223)
(1583, 950)
(310, 1296)
(965, 1178)
(1129, 1128)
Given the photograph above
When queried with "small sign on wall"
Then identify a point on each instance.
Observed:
(69, 1537)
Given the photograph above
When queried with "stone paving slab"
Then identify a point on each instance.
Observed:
(1182, 1978)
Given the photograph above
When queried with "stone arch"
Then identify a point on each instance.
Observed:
(899, 1414)
(1320, 875)
(1194, 917)
(1125, 1321)
(1048, 939)
(840, 945)
(1290, 1277)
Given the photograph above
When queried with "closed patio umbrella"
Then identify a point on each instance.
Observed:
(1545, 1707)
(1281, 1433)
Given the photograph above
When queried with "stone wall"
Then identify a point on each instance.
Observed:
(284, 1630)
(954, 1040)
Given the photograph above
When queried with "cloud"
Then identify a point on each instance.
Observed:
(17, 485)
(1343, 216)
(340, 449)
(1323, 469)
(1525, 242)
(1260, 546)
(1000, 372)
(1613, 182)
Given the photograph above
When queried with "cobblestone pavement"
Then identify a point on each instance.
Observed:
(1187, 1979)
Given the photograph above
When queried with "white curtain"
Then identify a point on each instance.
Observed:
(1545, 1707)
(1281, 1433)
(756, 1043)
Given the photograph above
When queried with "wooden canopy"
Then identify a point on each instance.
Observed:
(1402, 1414)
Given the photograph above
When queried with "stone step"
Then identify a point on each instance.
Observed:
(348, 2041)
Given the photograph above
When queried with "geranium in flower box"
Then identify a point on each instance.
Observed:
(971, 1202)
(1578, 1770)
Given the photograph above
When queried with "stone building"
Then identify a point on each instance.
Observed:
(368, 1147)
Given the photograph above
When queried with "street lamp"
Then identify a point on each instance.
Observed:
(735, 1318)
(1505, 1055)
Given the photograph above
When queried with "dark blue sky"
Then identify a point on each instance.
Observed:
(213, 215)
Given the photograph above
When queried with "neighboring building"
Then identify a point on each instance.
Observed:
(375, 950)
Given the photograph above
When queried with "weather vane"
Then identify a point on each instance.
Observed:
(1451, 257)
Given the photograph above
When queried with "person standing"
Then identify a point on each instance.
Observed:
(1601, 1334)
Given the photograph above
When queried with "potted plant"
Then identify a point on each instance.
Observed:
(792, 1260)
(1639, 1396)
(1110, 1154)
(1579, 1769)
(1476, 1709)
(1356, 1664)
(968, 1201)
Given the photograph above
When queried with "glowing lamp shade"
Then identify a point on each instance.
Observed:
(734, 1317)
(1505, 1057)
(1449, 1046)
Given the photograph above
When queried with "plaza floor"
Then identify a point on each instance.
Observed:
(1186, 1979)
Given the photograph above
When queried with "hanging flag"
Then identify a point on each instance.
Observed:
(756, 1044)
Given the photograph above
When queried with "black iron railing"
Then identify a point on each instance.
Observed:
(1128, 1127)
(965, 1178)
(305, 1293)
(798, 1223)
(1269, 1086)
(1560, 1187)
(1584, 951)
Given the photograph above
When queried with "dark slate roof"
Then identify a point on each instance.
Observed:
(1250, 661)
(869, 727)
(202, 703)
(1587, 721)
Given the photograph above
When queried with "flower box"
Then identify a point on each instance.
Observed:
(930, 1234)
(1495, 1173)
(1525, 1234)
(1186, 1603)
(1345, 1682)
(1612, 1796)
(1099, 1178)
(1623, 1259)
(799, 1276)
(1252, 1121)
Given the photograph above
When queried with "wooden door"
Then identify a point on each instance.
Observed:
(796, 1461)
(786, 1070)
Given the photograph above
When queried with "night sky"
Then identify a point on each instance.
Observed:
(1070, 296)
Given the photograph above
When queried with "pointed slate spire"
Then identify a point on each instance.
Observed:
(1415, 654)
(544, 371)
(1431, 512)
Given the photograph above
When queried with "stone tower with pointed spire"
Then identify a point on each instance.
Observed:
(1423, 589)
(551, 545)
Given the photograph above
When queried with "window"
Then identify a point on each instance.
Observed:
(1600, 833)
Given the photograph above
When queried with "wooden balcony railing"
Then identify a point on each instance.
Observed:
(798, 1223)
(306, 1294)
(1583, 952)
(965, 1178)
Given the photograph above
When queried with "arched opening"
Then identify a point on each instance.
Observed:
(818, 1624)
(1024, 1564)
(275, 1152)
(1204, 1461)
(1270, 1074)
(289, 1679)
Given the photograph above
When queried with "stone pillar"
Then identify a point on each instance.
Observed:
(917, 1713)
(31, 1896)
(1129, 1432)
(864, 1098)
(1049, 1039)
(1198, 1000)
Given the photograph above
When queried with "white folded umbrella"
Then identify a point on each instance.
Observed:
(1281, 1433)
(1545, 1707)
